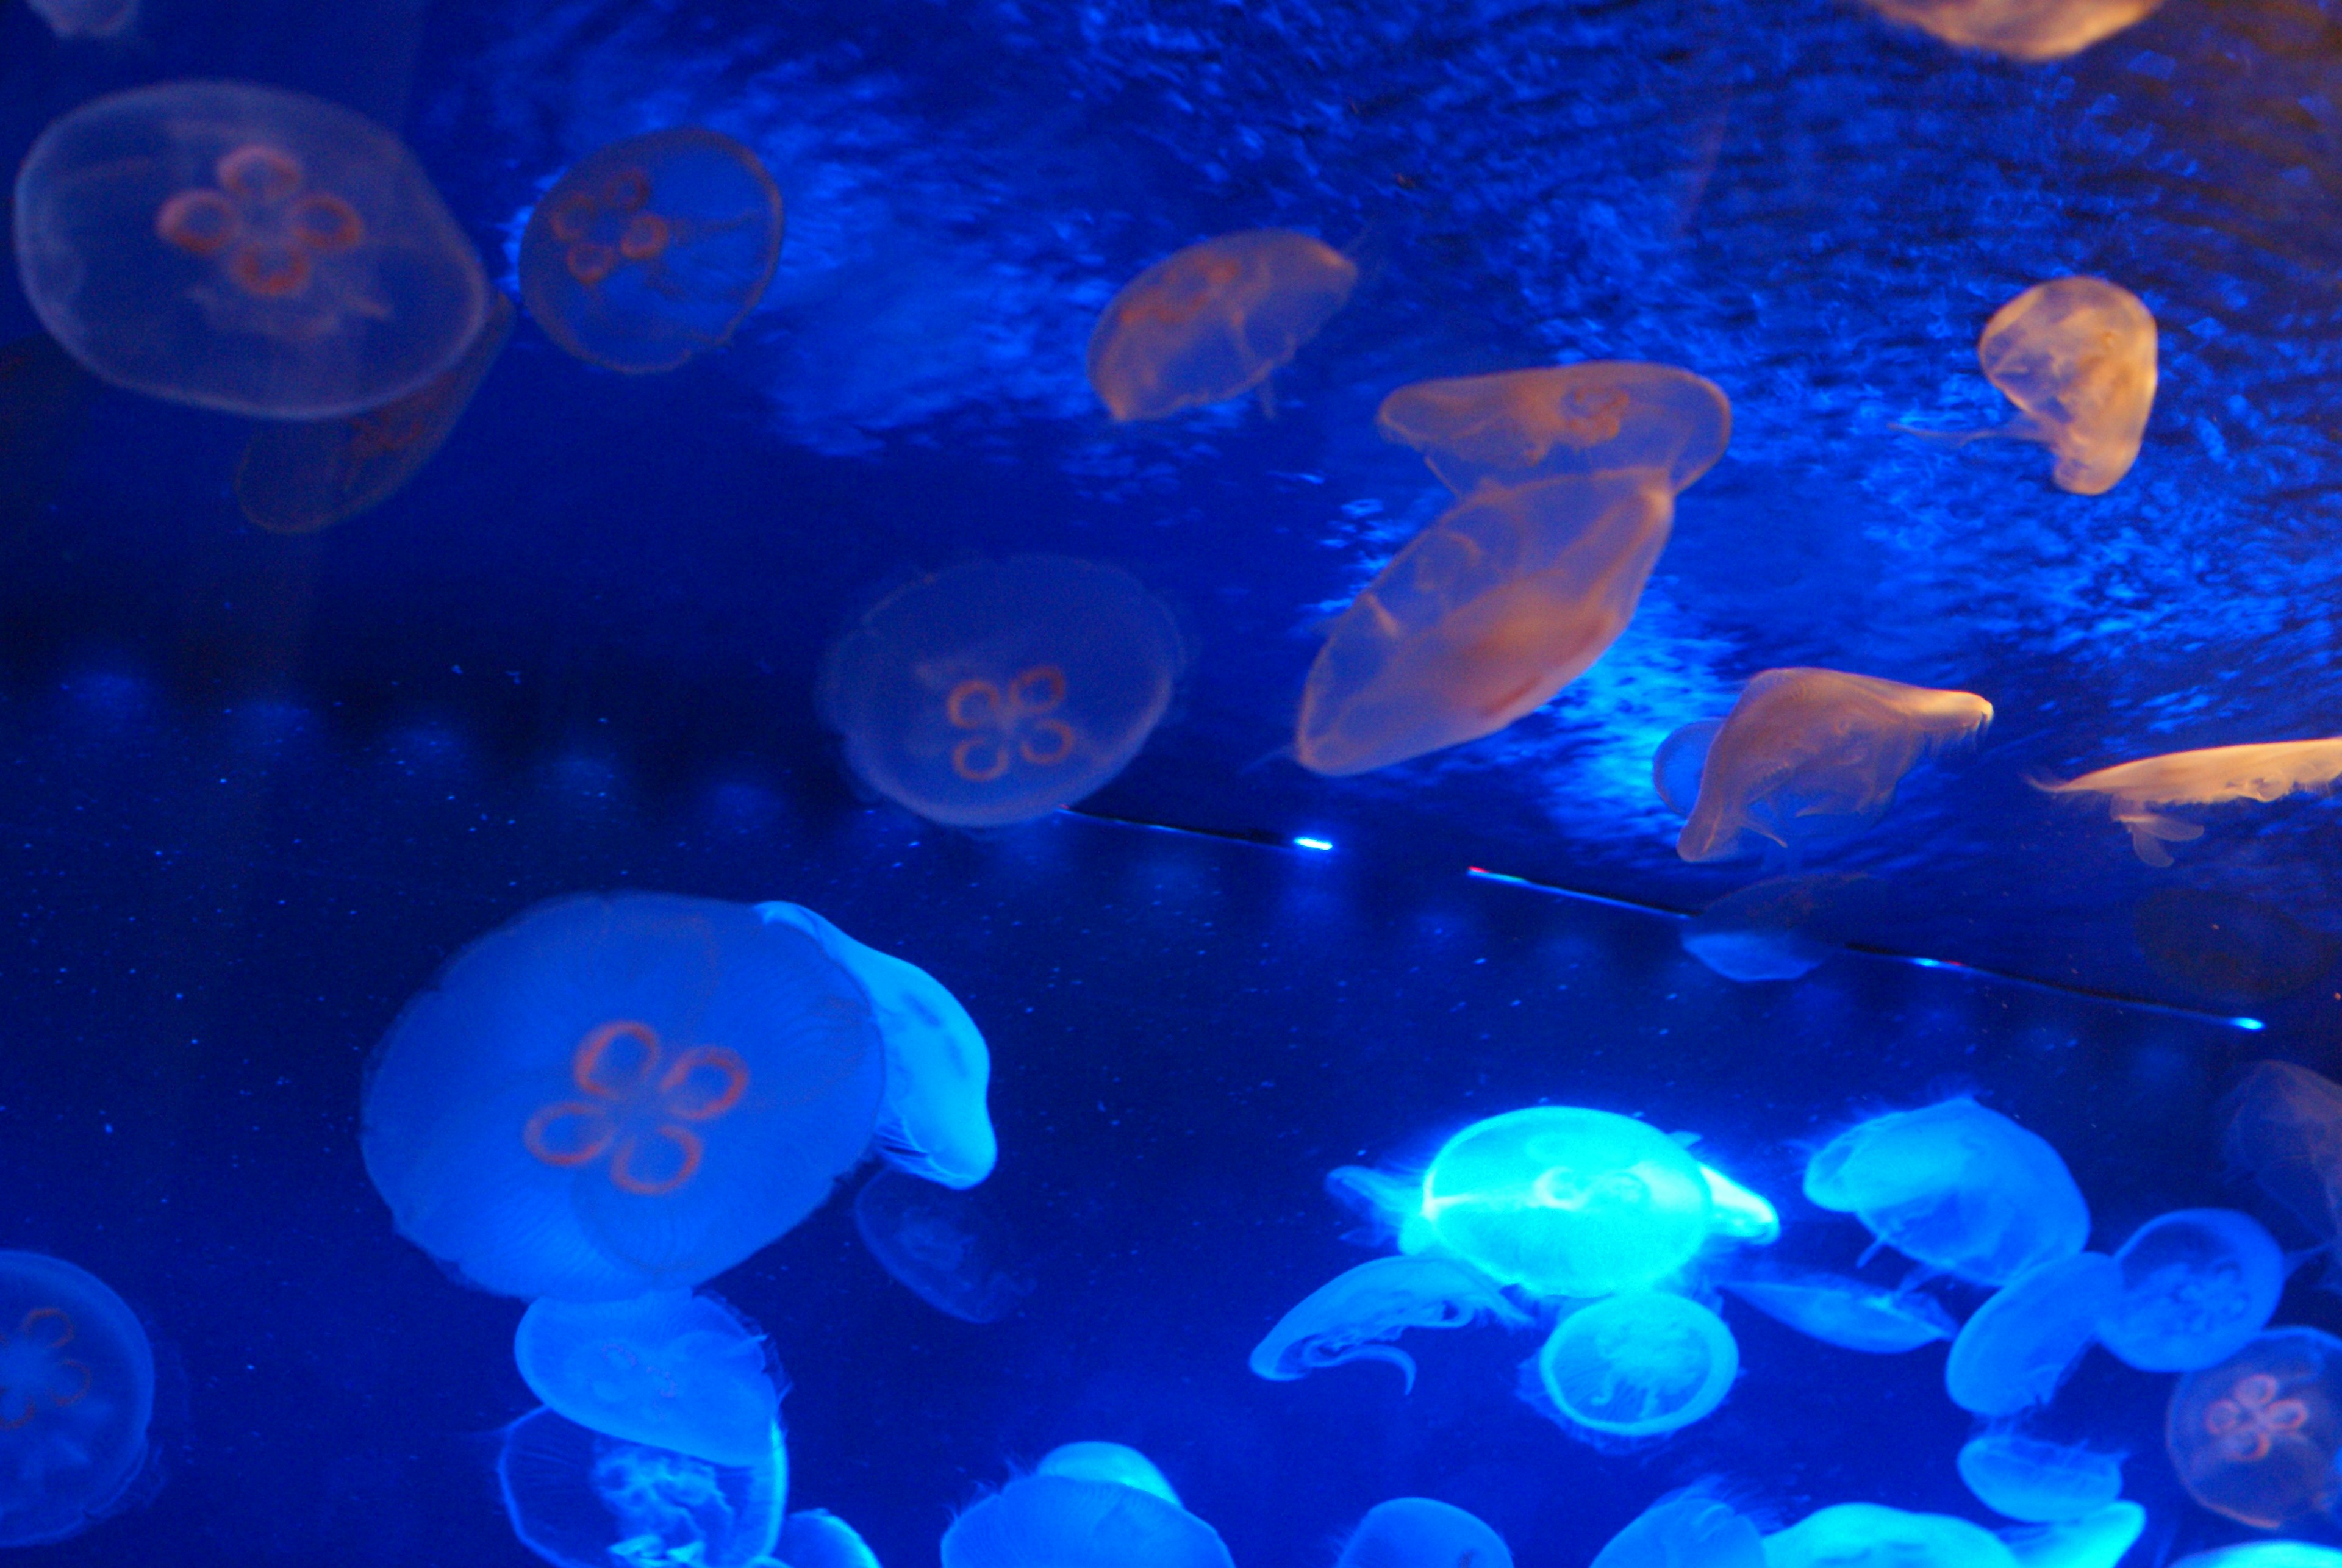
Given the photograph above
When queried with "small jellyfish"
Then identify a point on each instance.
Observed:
(1780, 929)
(668, 1370)
(1676, 766)
(2213, 776)
(1594, 417)
(608, 1096)
(2027, 30)
(2265, 1555)
(1065, 1521)
(816, 1538)
(996, 691)
(1349, 1318)
(582, 1499)
(1115, 1462)
(76, 1391)
(1684, 1530)
(947, 1248)
(88, 18)
(2095, 1540)
(1957, 1187)
(2077, 355)
(2283, 1128)
(298, 477)
(1214, 321)
(1849, 1313)
(1869, 1536)
(2254, 1437)
(1422, 1532)
(2016, 1349)
(2197, 1285)
(1805, 752)
(2040, 1483)
(244, 249)
(1637, 1364)
(651, 250)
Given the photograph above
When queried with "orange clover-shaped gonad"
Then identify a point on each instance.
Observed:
(1009, 725)
(594, 252)
(260, 217)
(632, 1107)
(2253, 1418)
(52, 1329)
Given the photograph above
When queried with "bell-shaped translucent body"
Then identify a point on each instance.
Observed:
(1211, 322)
(2029, 30)
(2095, 1540)
(76, 1391)
(243, 248)
(1848, 1312)
(1115, 1462)
(1780, 929)
(2197, 1285)
(581, 1499)
(2265, 1555)
(1422, 1532)
(949, 1248)
(609, 1096)
(651, 250)
(1682, 758)
(816, 1538)
(2254, 1437)
(1065, 1521)
(1805, 753)
(1638, 1364)
(670, 1370)
(88, 18)
(2016, 1349)
(1684, 1531)
(1868, 1535)
(1000, 691)
(1594, 418)
(2135, 792)
(2078, 356)
(2282, 1127)
(1351, 1316)
(1957, 1187)
(1563, 1201)
(2040, 1483)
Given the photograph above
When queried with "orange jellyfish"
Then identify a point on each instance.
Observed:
(2267, 772)
(1809, 752)
(1214, 321)
(652, 249)
(246, 249)
(87, 18)
(2029, 30)
(296, 478)
(2254, 1436)
(1587, 418)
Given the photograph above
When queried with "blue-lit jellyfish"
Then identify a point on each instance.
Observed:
(1065, 1522)
(2095, 1540)
(76, 1391)
(669, 1370)
(949, 1248)
(1957, 1187)
(2256, 1437)
(2283, 1128)
(1870, 1535)
(2040, 1483)
(608, 1096)
(1090, 1460)
(582, 1499)
(1422, 1532)
(2017, 1348)
(817, 1538)
(1684, 1530)
(1848, 1312)
(2197, 1285)
(1351, 1316)
(1637, 1364)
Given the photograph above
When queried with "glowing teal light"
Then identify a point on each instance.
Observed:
(1312, 843)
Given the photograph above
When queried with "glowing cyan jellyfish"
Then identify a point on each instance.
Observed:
(88, 18)
(1805, 752)
(1736, 1213)
(246, 249)
(668, 1370)
(1067, 1522)
(299, 477)
(1780, 929)
(609, 1096)
(2095, 1540)
(1422, 1532)
(2197, 1285)
(582, 1499)
(1214, 321)
(1684, 1530)
(949, 1248)
(1868, 1535)
(2283, 1128)
(2029, 30)
(1093, 1460)
(651, 250)
(1637, 1364)
(2040, 1483)
(1597, 417)
(76, 1391)
(816, 1538)
(2016, 1349)
(996, 693)
(1957, 1187)
(1353, 1317)
(2254, 1437)
(1848, 1312)
(2135, 791)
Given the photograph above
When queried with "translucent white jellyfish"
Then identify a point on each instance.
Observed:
(2077, 355)
(2256, 1437)
(817, 1538)
(2197, 1285)
(1094, 1461)
(1956, 1186)
(1600, 416)
(1736, 1211)
(2135, 792)
(1684, 1530)
(2282, 1127)
(2016, 1349)
(2095, 1540)
(1780, 929)
(2040, 1483)
(582, 1499)
(1869, 1536)
(1637, 1364)
(2027, 30)
(950, 1249)
(669, 1370)
(1065, 1522)
(1350, 1317)
(1848, 1312)
(1422, 1532)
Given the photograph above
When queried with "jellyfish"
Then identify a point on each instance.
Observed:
(996, 691)
(817, 1538)
(299, 477)
(1066, 1522)
(2077, 355)
(1805, 752)
(2212, 776)
(1781, 928)
(2264, 1555)
(947, 1248)
(2040, 1483)
(1848, 1312)
(87, 18)
(2018, 1347)
(651, 250)
(244, 249)
(1349, 1318)
(613, 1095)
(1594, 417)
(2283, 1128)
(1421, 1532)
(1869, 1536)
(668, 1370)
(2027, 30)
(2254, 1436)
(584, 1499)
(2095, 1540)
(2238, 949)
(2197, 1285)
(76, 1391)
(1637, 1364)
(1214, 321)
(1684, 1530)
(1115, 1462)
(1957, 1187)
(1676, 766)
